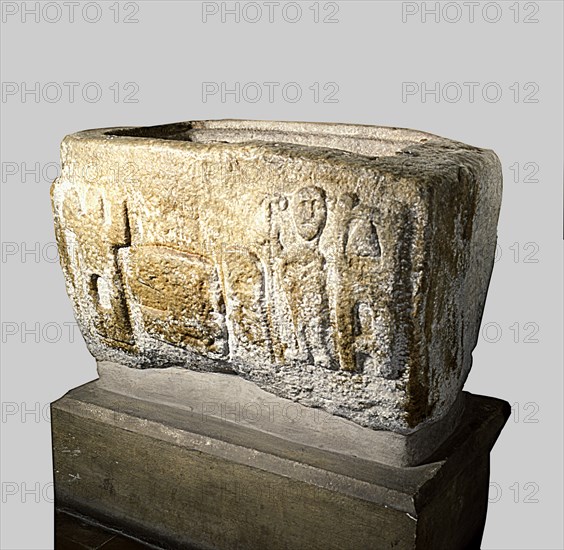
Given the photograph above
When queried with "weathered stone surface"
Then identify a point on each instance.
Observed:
(344, 267)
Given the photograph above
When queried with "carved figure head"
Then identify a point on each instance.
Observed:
(310, 212)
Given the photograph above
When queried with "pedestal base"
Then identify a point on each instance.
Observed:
(179, 481)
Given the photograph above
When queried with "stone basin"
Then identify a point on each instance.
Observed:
(340, 266)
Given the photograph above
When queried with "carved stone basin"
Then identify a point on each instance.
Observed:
(341, 266)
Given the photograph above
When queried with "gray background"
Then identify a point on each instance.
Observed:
(167, 51)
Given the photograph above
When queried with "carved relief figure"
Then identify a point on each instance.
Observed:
(358, 335)
(303, 276)
(269, 229)
(246, 306)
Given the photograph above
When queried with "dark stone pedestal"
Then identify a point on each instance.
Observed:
(177, 480)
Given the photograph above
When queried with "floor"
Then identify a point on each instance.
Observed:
(72, 533)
